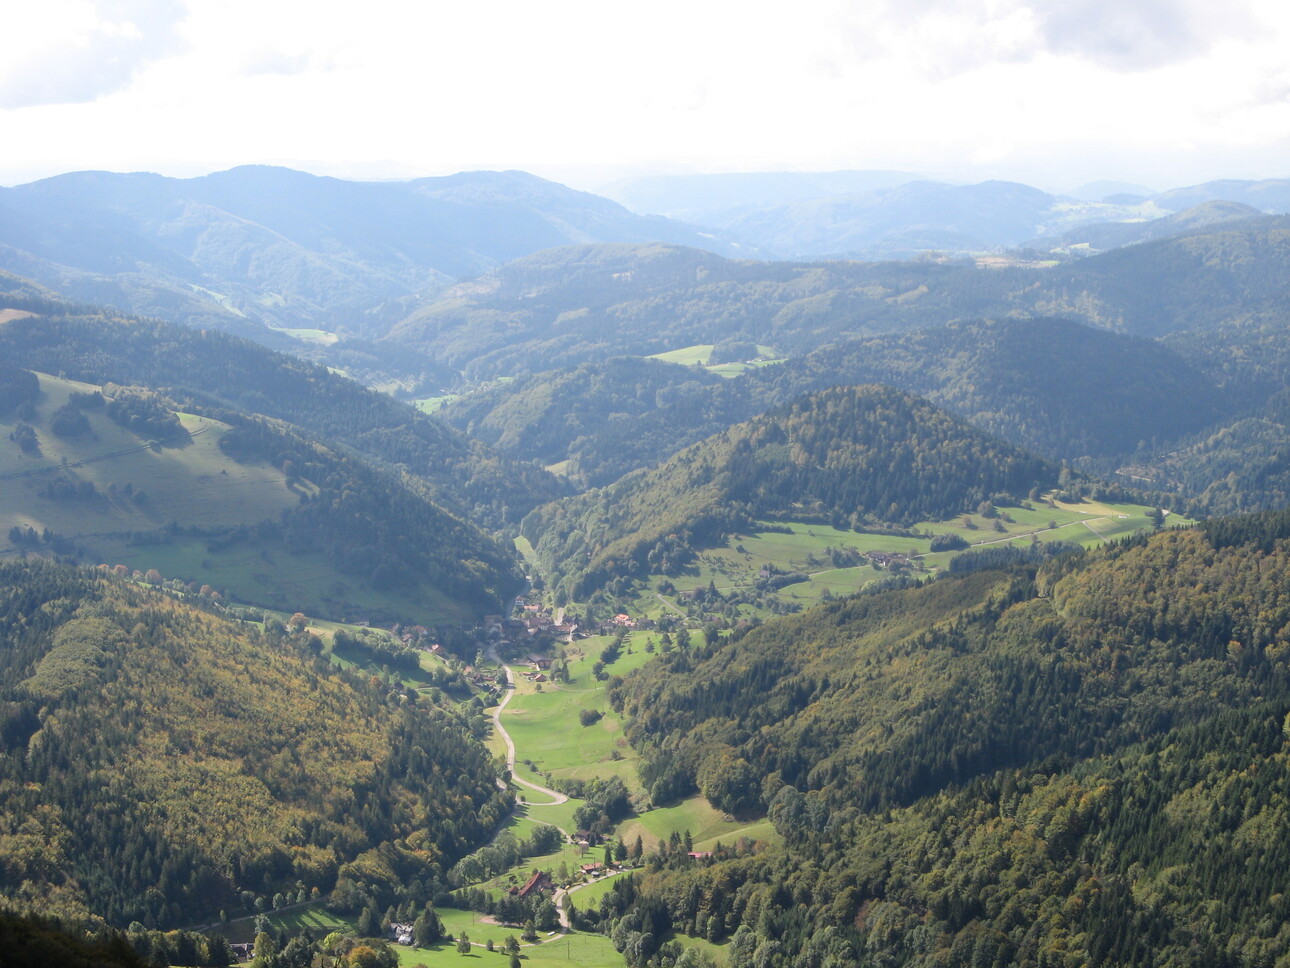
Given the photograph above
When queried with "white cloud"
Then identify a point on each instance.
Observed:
(71, 51)
(436, 87)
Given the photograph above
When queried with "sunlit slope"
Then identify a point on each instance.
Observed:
(238, 503)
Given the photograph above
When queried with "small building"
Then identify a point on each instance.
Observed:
(539, 883)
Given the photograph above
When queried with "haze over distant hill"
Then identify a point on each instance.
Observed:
(567, 306)
(325, 267)
(714, 197)
(259, 247)
(881, 214)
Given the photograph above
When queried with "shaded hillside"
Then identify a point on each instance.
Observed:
(591, 303)
(1195, 281)
(854, 455)
(234, 501)
(1055, 387)
(209, 368)
(159, 760)
(610, 406)
(258, 247)
(1088, 762)
(1049, 385)
(30, 942)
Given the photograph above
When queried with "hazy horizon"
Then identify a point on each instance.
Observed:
(1159, 92)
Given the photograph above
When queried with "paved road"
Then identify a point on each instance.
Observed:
(555, 795)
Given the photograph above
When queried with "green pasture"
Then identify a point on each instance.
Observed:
(719, 953)
(560, 468)
(545, 724)
(193, 482)
(705, 822)
(701, 353)
(576, 949)
(431, 404)
(319, 337)
(730, 370)
(687, 355)
(590, 895)
(804, 548)
(294, 919)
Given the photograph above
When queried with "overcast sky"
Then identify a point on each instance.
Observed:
(1053, 92)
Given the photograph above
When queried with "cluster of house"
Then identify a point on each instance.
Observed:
(532, 625)
(540, 665)
(888, 559)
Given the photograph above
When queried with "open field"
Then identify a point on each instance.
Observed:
(687, 355)
(576, 949)
(701, 353)
(313, 915)
(821, 552)
(318, 337)
(705, 823)
(545, 725)
(585, 898)
(431, 404)
(196, 481)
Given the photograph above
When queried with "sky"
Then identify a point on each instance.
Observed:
(1160, 93)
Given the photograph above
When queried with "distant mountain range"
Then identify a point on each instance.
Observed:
(258, 247)
(324, 267)
(884, 214)
(567, 306)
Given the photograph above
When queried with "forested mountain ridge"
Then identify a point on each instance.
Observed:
(1088, 760)
(210, 368)
(1055, 387)
(258, 248)
(628, 411)
(159, 759)
(854, 454)
(570, 306)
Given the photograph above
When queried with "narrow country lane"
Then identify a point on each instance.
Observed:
(555, 795)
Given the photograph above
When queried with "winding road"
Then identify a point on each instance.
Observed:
(555, 795)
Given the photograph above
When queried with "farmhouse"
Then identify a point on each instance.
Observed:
(539, 883)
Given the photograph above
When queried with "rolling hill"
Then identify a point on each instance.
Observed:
(855, 455)
(1057, 388)
(590, 303)
(207, 368)
(258, 249)
(112, 474)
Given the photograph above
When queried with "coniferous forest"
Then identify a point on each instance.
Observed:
(1067, 745)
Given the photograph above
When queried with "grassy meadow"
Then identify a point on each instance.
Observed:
(818, 551)
(180, 485)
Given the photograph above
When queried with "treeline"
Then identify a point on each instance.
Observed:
(163, 763)
(852, 456)
(1085, 759)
